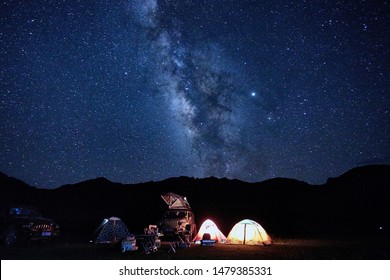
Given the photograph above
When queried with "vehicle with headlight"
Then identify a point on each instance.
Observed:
(23, 223)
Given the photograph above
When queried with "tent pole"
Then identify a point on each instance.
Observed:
(244, 233)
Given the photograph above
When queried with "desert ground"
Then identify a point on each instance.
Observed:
(282, 249)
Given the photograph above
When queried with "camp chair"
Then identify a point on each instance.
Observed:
(172, 247)
(148, 243)
(184, 239)
(150, 239)
(186, 235)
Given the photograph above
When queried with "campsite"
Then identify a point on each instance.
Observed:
(282, 249)
(346, 218)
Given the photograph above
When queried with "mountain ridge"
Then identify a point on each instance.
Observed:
(348, 175)
(356, 201)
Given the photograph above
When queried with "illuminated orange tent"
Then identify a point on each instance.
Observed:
(211, 228)
(248, 232)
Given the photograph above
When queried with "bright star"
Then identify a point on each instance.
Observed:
(253, 94)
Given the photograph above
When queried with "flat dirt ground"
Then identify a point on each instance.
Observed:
(296, 249)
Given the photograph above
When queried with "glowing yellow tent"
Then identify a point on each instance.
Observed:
(250, 233)
(211, 228)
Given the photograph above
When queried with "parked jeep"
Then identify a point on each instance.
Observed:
(179, 218)
(22, 223)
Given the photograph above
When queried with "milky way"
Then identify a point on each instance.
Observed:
(201, 91)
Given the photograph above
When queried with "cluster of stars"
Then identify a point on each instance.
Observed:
(244, 89)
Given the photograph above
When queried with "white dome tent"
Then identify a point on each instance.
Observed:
(248, 232)
(211, 228)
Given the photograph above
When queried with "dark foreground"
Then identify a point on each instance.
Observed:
(290, 249)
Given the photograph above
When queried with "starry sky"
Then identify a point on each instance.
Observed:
(142, 90)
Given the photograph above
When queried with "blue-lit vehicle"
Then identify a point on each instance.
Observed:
(22, 223)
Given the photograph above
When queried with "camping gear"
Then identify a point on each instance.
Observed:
(172, 248)
(248, 232)
(147, 242)
(153, 229)
(150, 241)
(112, 230)
(206, 240)
(175, 201)
(129, 244)
(209, 227)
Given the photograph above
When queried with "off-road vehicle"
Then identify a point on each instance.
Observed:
(179, 218)
(23, 223)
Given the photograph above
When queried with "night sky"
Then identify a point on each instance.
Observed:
(144, 90)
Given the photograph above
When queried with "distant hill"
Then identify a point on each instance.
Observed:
(12, 183)
(357, 202)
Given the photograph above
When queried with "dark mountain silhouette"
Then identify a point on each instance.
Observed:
(357, 202)
(12, 183)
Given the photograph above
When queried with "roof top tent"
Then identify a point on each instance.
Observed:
(175, 201)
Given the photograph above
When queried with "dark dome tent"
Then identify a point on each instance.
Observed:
(111, 230)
